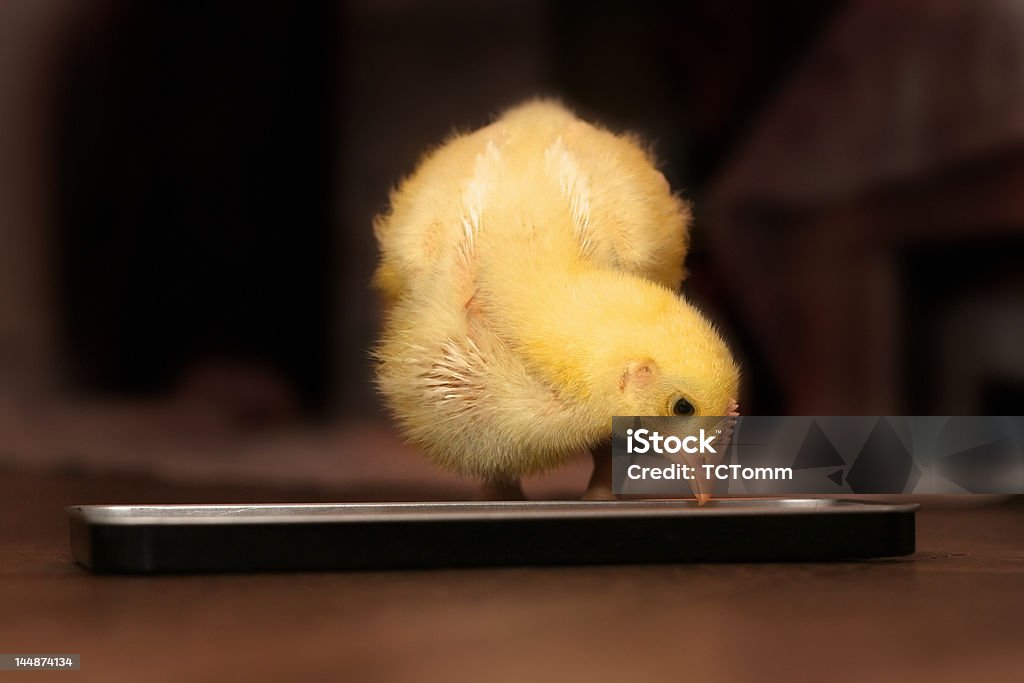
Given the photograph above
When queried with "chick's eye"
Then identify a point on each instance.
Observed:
(683, 407)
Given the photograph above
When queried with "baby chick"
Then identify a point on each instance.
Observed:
(530, 270)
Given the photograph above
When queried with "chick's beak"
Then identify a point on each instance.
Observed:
(701, 485)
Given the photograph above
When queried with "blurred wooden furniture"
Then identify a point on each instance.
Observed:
(877, 200)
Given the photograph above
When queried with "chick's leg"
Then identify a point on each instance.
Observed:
(501, 489)
(600, 486)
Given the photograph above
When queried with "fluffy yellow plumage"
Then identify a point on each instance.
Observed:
(531, 270)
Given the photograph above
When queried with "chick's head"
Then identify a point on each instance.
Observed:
(670, 362)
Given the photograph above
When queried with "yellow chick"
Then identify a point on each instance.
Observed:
(531, 271)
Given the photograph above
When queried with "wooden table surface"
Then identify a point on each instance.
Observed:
(953, 612)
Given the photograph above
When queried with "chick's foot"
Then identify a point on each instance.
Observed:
(600, 486)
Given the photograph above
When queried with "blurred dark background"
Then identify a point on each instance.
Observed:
(186, 194)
